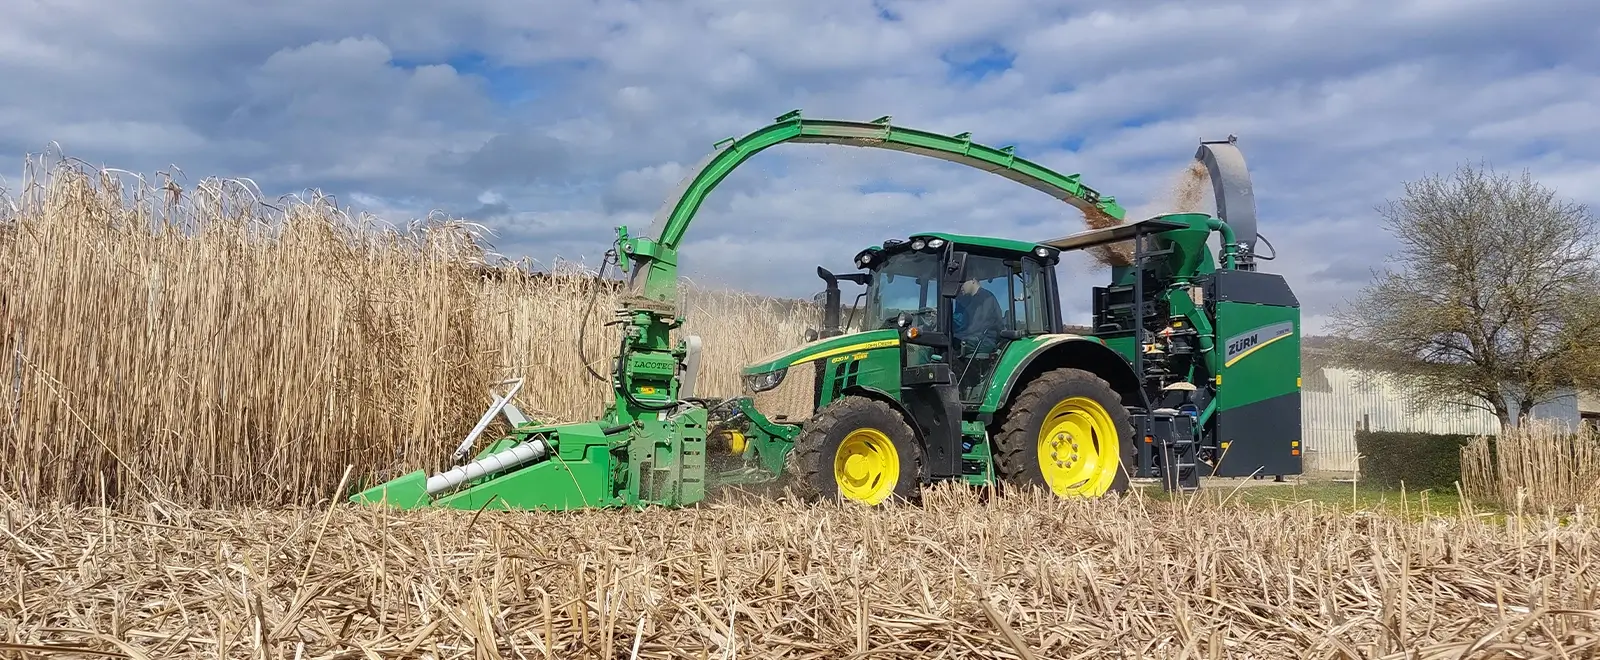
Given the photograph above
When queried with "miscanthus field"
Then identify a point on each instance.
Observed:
(188, 372)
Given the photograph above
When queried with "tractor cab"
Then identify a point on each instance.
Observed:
(957, 300)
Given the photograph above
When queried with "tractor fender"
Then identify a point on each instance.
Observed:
(1025, 360)
(893, 402)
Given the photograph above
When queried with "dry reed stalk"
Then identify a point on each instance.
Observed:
(1022, 575)
(1538, 465)
(220, 350)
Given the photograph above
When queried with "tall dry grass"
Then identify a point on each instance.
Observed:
(207, 346)
(1538, 465)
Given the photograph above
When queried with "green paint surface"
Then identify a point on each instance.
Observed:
(1270, 363)
(544, 485)
(1016, 357)
(659, 254)
(827, 348)
(579, 475)
(989, 242)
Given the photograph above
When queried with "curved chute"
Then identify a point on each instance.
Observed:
(655, 278)
(1230, 184)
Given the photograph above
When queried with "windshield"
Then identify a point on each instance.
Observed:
(906, 282)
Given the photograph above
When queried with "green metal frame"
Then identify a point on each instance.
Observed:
(656, 279)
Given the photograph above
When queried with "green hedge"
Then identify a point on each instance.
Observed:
(1421, 460)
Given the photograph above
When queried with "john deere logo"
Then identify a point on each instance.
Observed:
(1244, 344)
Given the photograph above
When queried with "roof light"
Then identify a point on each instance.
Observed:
(1041, 252)
(936, 243)
(918, 244)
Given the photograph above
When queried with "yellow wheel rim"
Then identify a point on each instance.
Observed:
(866, 466)
(1079, 448)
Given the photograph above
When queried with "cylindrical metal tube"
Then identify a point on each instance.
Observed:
(496, 462)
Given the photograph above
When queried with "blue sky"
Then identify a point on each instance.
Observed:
(552, 122)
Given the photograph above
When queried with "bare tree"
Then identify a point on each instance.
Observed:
(1495, 299)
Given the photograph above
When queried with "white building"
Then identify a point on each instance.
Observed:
(1335, 402)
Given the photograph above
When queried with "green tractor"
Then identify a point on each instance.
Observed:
(952, 364)
(958, 371)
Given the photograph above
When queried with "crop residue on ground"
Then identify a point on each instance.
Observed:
(1018, 577)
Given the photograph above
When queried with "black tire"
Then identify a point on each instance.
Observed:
(1017, 445)
(811, 462)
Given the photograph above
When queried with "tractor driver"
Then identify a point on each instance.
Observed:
(976, 318)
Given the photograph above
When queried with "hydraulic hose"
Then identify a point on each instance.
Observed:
(1263, 238)
(583, 323)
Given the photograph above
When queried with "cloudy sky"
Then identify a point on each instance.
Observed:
(552, 122)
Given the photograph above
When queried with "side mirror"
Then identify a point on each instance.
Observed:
(955, 271)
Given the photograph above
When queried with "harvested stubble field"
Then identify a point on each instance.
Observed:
(1014, 577)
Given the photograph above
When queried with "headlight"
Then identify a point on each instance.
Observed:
(918, 244)
(764, 382)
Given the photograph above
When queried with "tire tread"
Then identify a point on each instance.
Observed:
(1014, 445)
(806, 460)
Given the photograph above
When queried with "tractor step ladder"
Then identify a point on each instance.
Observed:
(1184, 460)
(1177, 455)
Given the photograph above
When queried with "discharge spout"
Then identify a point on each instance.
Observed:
(500, 461)
(1236, 198)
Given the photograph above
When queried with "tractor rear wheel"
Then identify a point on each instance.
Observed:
(857, 449)
(1067, 432)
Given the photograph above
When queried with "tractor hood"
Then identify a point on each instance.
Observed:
(824, 348)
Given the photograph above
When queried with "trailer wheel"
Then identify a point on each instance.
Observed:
(857, 449)
(1066, 432)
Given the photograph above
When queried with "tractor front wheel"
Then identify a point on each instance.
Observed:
(857, 449)
(1067, 432)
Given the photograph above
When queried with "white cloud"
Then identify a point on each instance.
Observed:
(554, 122)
